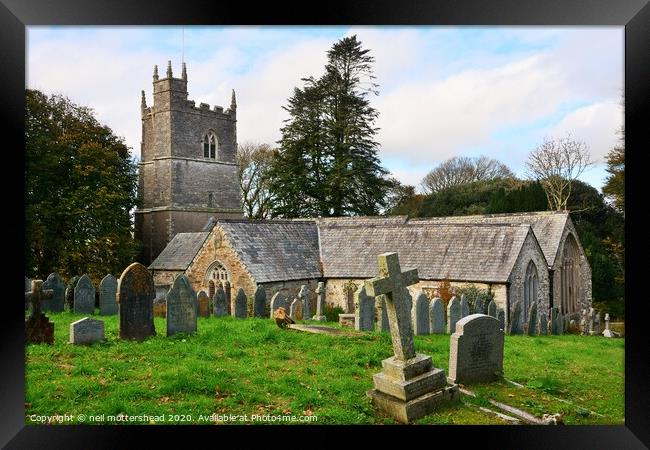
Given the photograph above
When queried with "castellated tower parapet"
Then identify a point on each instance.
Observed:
(188, 168)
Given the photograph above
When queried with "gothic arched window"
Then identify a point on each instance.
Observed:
(531, 285)
(569, 276)
(217, 273)
(210, 145)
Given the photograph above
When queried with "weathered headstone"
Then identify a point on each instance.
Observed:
(596, 322)
(532, 319)
(278, 301)
(296, 309)
(479, 306)
(382, 313)
(453, 314)
(437, 316)
(182, 307)
(364, 310)
(476, 350)
(554, 320)
(303, 295)
(107, 293)
(86, 331)
(560, 323)
(492, 309)
(464, 306)
(220, 303)
(69, 292)
(320, 303)
(84, 296)
(203, 304)
(259, 301)
(38, 328)
(409, 387)
(421, 314)
(501, 317)
(515, 319)
(135, 294)
(229, 299)
(543, 324)
(608, 333)
(241, 305)
(55, 282)
(590, 321)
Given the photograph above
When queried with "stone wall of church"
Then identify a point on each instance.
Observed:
(290, 290)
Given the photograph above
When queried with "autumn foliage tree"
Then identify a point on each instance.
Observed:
(80, 187)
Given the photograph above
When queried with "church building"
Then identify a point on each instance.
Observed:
(191, 223)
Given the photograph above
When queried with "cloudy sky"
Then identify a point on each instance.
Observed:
(444, 91)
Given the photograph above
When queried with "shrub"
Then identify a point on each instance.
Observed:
(477, 298)
(332, 312)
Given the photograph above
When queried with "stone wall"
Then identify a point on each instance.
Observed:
(290, 290)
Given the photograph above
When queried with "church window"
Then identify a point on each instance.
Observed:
(569, 277)
(531, 286)
(217, 273)
(210, 145)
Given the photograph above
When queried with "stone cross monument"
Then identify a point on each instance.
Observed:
(320, 303)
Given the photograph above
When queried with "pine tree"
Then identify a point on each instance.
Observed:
(328, 162)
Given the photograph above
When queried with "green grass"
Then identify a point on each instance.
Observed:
(246, 367)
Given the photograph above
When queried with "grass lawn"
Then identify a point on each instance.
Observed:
(247, 367)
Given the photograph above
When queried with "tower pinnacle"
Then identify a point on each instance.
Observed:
(169, 69)
(155, 72)
(184, 73)
(233, 102)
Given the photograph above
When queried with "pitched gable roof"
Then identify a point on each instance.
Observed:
(180, 251)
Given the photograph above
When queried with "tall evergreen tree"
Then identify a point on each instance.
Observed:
(614, 187)
(328, 164)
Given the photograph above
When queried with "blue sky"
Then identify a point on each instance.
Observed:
(443, 91)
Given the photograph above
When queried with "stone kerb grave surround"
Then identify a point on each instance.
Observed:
(409, 387)
(476, 350)
(135, 294)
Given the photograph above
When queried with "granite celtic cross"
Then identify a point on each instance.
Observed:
(37, 295)
(393, 282)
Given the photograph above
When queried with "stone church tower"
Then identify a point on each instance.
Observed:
(188, 171)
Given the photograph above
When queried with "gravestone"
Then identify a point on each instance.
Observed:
(476, 350)
(479, 306)
(532, 319)
(86, 331)
(421, 314)
(554, 320)
(55, 282)
(84, 296)
(107, 293)
(304, 296)
(492, 309)
(560, 323)
(296, 309)
(203, 304)
(229, 299)
(515, 319)
(259, 301)
(241, 305)
(320, 303)
(382, 313)
(278, 301)
(69, 293)
(608, 333)
(220, 303)
(573, 327)
(590, 321)
(543, 324)
(437, 316)
(38, 328)
(597, 322)
(453, 314)
(501, 317)
(464, 306)
(364, 311)
(346, 320)
(135, 294)
(409, 387)
(182, 307)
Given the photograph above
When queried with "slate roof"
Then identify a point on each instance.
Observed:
(180, 251)
(275, 250)
(548, 226)
(456, 252)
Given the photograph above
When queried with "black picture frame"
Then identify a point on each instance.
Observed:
(634, 15)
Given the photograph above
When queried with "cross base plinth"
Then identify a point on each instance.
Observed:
(39, 330)
(319, 318)
(408, 390)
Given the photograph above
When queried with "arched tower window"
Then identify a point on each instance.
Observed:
(210, 145)
(569, 276)
(531, 287)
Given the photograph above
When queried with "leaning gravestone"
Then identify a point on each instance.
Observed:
(421, 314)
(364, 310)
(303, 295)
(38, 328)
(69, 292)
(532, 319)
(107, 293)
(382, 313)
(515, 319)
(182, 307)
(453, 314)
(464, 306)
(259, 302)
(135, 294)
(84, 296)
(203, 304)
(57, 285)
(278, 301)
(437, 316)
(295, 310)
(476, 350)
(543, 324)
(492, 309)
(220, 303)
(241, 305)
(409, 387)
(320, 303)
(86, 331)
